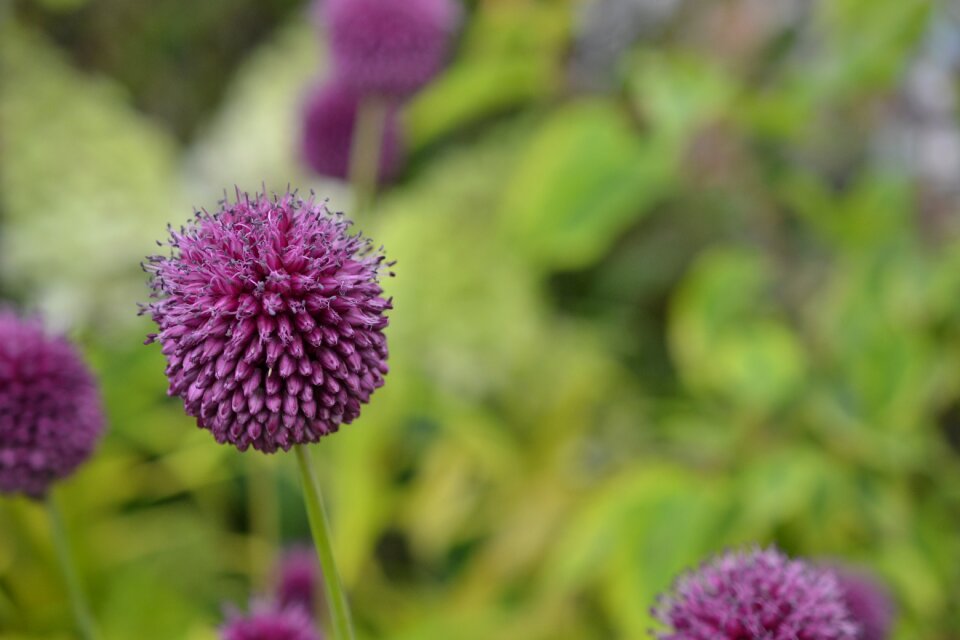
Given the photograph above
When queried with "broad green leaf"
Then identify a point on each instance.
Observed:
(585, 178)
(632, 511)
(727, 339)
(510, 56)
(676, 95)
(778, 486)
(473, 90)
(870, 41)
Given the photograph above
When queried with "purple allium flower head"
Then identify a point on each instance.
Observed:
(388, 47)
(869, 603)
(755, 595)
(297, 580)
(269, 623)
(271, 319)
(329, 115)
(50, 412)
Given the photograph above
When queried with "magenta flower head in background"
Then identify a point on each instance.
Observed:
(755, 595)
(265, 622)
(271, 319)
(329, 119)
(298, 579)
(50, 411)
(869, 602)
(387, 47)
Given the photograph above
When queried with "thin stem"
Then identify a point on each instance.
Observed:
(336, 597)
(81, 608)
(365, 151)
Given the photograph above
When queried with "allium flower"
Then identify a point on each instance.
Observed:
(269, 623)
(329, 116)
(50, 412)
(756, 595)
(271, 319)
(297, 584)
(869, 603)
(388, 47)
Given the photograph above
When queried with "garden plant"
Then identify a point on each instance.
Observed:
(471, 319)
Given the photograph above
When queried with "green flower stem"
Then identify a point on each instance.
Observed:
(336, 597)
(81, 608)
(365, 152)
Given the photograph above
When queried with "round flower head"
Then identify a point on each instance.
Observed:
(271, 319)
(388, 47)
(297, 584)
(756, 595)
(869, 603)
(269, 623)
(329, 116)
(50, 413)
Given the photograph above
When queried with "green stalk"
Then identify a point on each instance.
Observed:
(365, 152)
(336, 597)
(81, 608)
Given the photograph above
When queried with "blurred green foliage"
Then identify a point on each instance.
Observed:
(632, 327)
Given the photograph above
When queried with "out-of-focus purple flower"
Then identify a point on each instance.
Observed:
(265, 622)
(869, 603)
(387, 47)
(756, 595)
(329, 118)
(271, 318)
(50, 411)
(297, 579)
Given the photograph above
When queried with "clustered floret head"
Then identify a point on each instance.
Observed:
(388, 47)
(298, 578)
(271, 318)
(869, 602)
(266, 622)
(755, 595)
(50, 412)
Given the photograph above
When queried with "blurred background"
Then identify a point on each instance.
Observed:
(672, 276)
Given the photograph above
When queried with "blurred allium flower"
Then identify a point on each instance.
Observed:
(387, 47)
(329, 116)
(50, 412)
(757, 595)
(869, 603)
(297, 580)
(271, 319)
(269, 623)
